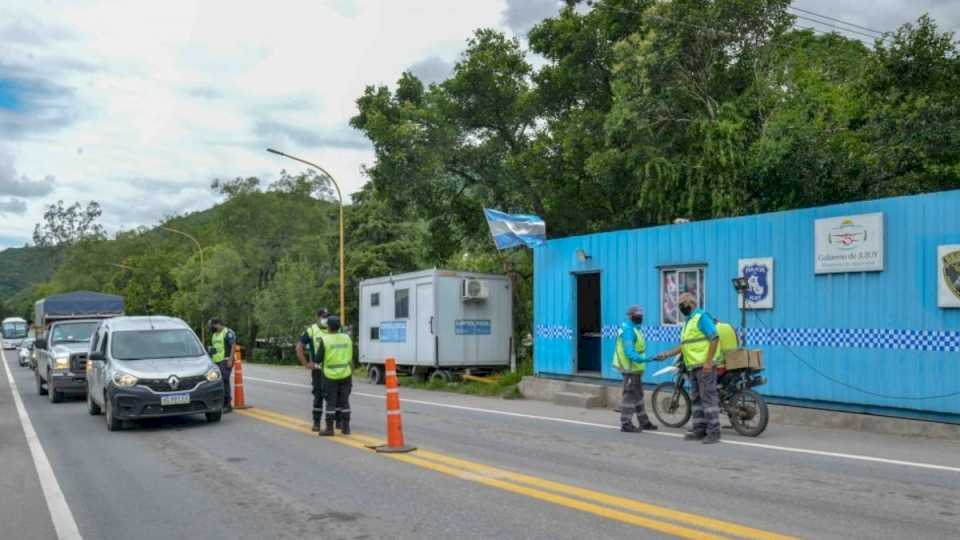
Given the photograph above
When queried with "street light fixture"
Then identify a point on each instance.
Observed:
(203, 327)
(343, 305)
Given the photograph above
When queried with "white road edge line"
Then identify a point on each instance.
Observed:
(855, 457)
(60, 513)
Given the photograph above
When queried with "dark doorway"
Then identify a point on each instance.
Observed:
(589, 336)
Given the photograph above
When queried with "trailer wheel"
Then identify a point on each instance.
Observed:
(441, 375)
(375, 374)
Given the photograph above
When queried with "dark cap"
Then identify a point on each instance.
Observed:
(322, 312)
(333, 323)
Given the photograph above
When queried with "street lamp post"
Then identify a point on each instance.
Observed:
(203, 327)
(343, 305)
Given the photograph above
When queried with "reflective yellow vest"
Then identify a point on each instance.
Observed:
(622, 362)
(694, 344)
(314, 332)
(337, 356)
(219, 340)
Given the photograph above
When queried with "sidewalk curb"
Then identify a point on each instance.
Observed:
(544, 389)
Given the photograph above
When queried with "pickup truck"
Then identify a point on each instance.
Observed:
(65, 323)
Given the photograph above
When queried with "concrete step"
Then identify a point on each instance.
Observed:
(586, 388)
(577, 399)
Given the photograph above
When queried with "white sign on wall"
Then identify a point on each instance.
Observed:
(759, 274)
(948, 276)
(849, 244)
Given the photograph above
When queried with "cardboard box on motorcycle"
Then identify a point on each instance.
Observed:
(743, 359)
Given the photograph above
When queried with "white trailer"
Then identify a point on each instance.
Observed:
(436, 322)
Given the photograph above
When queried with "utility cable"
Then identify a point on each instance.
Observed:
(850, 386)
(834, 19)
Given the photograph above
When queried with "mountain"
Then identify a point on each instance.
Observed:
(25, 266)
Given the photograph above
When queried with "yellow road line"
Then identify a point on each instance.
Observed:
(525, 485)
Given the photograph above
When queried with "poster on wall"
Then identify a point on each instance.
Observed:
(849, 244)
(759, 274)
(948, 276)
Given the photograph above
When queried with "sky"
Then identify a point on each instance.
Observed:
(140, 105)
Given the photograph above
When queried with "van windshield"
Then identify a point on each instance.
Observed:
(78, 332)
(151, 344)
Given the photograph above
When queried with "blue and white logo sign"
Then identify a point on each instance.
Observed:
(759, 274)
(393, 332)
(472, 327)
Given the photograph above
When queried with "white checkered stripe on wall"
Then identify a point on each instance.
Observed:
(861, 338)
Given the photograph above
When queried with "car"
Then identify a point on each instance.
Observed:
(150, 367)
(26, 351)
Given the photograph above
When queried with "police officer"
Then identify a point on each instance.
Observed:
(223, 339)
(698, 343)
(629, 358)
(337, 376)
(311, 340)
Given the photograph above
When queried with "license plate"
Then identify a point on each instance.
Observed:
(175, 399)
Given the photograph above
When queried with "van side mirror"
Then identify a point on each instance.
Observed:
(40, 343)
(96, 356)
(211, 351)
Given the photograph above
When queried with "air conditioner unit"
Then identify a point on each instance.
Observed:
(475, 289)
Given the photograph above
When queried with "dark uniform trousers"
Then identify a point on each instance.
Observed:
(225, 372)
(706, 401)
(316, 379)
(633, 400)
(337, 395)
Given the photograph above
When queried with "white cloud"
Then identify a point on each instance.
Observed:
(155, 99)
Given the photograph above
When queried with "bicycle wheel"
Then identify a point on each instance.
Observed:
(671, 405)
(748, 413)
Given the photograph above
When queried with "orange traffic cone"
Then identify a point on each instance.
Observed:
(238, 400)
(395, 442)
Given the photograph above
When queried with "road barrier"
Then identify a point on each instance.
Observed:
(238, 399)
(395, 443)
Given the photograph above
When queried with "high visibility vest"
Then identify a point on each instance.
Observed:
(314, 332)
(337, 356)
(219, 340)
(694, 344)
(622, 362)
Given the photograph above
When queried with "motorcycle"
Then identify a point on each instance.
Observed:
(746, 409)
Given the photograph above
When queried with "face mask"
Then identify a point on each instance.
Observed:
(637, 320)
(686, 309)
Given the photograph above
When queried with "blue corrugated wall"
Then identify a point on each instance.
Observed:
(881, 332)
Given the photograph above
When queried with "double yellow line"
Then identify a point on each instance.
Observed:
(649, 516)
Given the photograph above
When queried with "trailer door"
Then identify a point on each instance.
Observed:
(426, 343)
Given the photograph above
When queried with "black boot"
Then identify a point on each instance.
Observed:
(316, 426)
(338, 420)
(694, 436)
(649, 426)
(328, 432)
(711, 438)
(345, 424)
(630, 428)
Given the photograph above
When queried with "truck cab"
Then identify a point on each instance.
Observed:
(62, 358)
(65, 323)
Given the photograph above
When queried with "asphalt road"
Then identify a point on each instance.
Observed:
(485, 469)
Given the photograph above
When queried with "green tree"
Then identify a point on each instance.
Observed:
(285, 306)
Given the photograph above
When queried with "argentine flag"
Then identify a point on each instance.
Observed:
(512, 230)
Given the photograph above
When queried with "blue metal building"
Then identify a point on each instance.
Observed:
(879, 339)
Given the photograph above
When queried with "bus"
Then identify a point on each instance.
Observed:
(14, 331)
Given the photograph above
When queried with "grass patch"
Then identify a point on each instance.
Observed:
(505, 387)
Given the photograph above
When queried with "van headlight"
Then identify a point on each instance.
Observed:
(213, 375)
(124, 380)
(61, 361)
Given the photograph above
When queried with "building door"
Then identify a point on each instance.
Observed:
(426, 344)
(589, 336)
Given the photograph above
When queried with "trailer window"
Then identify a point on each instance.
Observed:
(374, 333)
(375, 299)
(401, 304)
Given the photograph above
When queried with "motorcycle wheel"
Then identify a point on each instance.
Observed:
(670, 405)
(748, 413)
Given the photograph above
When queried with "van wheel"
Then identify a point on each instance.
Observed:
(213, 417)
(92, 407)
(40, 388)
(53, 395)
(113, 424)
(375, 374)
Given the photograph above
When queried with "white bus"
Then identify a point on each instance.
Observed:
(14, 331)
